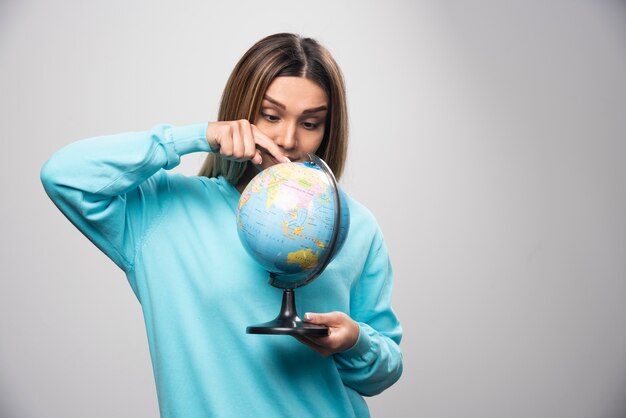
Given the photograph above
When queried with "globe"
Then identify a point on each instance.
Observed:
(290, 221)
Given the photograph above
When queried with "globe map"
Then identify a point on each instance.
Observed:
(286, 218)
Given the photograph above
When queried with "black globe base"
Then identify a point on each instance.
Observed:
(287, 322)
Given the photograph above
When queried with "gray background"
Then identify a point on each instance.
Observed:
(487, 138)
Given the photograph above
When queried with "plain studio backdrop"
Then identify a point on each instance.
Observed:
(487, 137)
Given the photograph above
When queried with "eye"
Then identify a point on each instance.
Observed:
(310, 125)
(269, 117)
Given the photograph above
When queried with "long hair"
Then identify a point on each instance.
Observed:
(278, 55)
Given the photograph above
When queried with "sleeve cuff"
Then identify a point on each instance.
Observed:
(361, 347)
(190, 138)
(178, 141)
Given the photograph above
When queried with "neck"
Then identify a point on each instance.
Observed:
(248, 175)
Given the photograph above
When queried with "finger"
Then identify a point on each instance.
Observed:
(249, 152)
(325, 345)
(211, 135)
(225, 140)
(306, 340)
(257, 159)
(238, 146)
(312, 345)
(330, 318)
(267, 144)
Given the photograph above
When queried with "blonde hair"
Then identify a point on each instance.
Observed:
(283, 54)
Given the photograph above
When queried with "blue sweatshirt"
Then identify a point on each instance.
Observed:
(176, 239)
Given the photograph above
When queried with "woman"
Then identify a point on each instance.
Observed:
(176, 239)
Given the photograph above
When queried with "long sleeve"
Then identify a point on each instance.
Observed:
(374, 363)
(109, 186)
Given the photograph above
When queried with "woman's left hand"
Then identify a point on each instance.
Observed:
(343, 333)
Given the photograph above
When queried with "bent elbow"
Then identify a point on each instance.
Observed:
(48, 175)
(375, 386)
(51, 176)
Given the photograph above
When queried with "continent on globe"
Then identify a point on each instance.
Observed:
(305, 258)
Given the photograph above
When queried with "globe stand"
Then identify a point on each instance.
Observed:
(288, 322)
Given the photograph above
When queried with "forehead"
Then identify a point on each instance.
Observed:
(298, 93)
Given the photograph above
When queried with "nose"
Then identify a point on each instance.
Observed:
(287, 137)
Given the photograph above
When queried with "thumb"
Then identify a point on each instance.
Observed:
(321, 318)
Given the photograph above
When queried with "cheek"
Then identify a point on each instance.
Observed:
(265, 127)
(259, 122)
(314, 141)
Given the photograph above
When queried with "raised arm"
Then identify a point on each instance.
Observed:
(108, 186)
(114, 187)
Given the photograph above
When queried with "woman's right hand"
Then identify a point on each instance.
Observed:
(240, 140)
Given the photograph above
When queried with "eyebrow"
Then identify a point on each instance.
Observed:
(283, 107)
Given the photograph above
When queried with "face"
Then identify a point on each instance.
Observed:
(293, 114)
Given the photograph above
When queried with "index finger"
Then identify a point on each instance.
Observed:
(266, 144)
